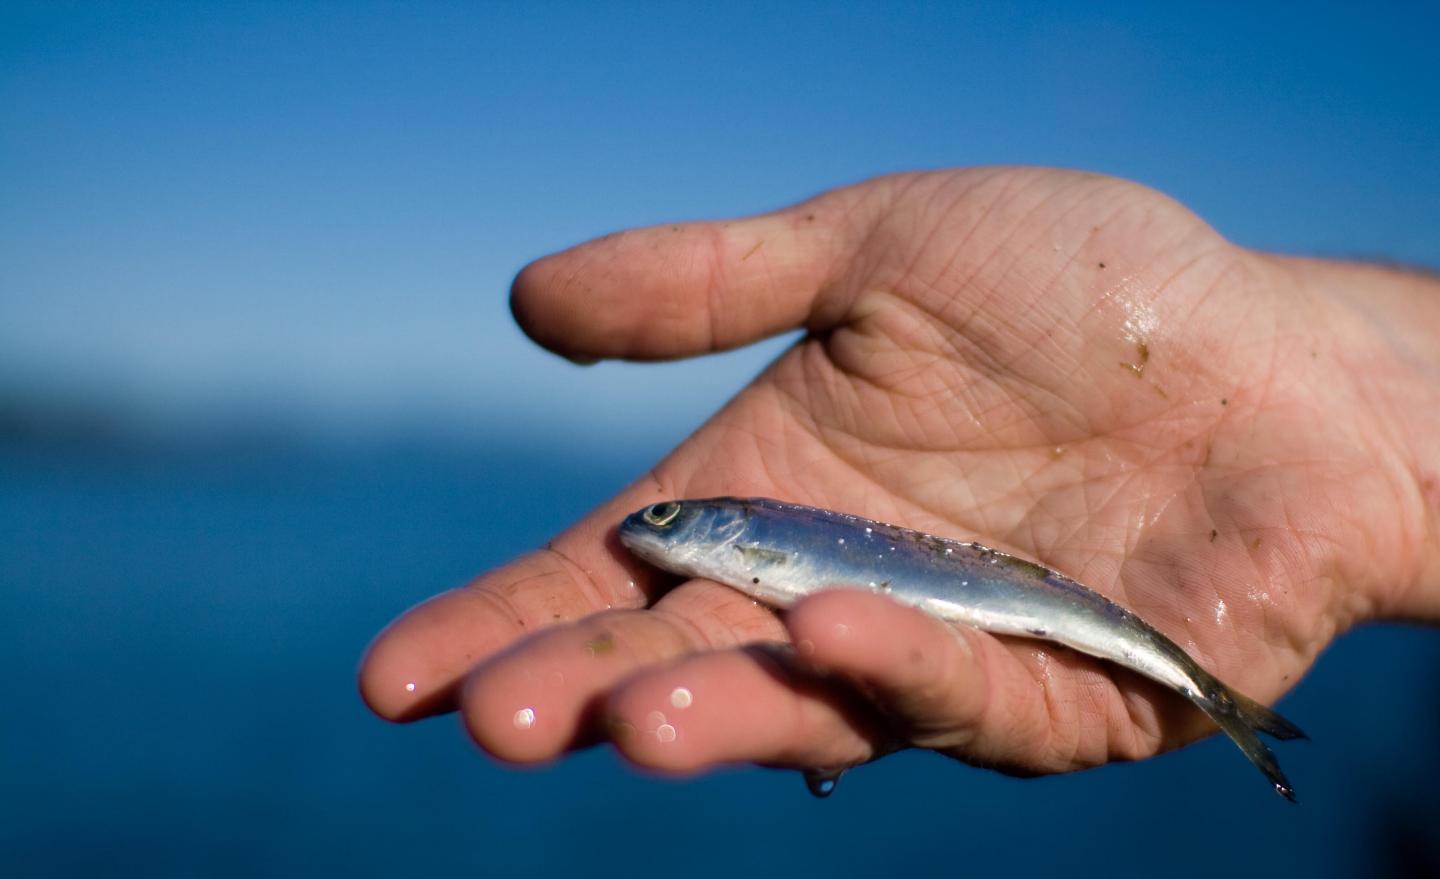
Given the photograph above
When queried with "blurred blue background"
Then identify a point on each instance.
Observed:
(257, 395)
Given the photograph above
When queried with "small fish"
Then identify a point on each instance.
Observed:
(778, 553)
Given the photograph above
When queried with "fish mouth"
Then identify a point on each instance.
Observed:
(641, 540)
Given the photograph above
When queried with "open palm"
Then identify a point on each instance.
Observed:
(1067, 367)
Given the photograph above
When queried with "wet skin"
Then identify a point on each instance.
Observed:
(1241, 448)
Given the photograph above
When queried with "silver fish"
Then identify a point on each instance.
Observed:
(778, 552)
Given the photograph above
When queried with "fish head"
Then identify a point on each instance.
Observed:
(683, 536)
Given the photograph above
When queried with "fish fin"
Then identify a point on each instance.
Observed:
(1238, 719)
(1266, 720)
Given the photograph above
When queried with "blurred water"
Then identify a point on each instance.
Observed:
(178, 634)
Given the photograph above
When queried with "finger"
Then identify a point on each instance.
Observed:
(679, 290)
(1024, 707)
(932, 678)
(737, 706)
(535, 701)
(414, 667)
(730, 706)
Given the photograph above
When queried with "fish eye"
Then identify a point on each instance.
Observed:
(661, 515)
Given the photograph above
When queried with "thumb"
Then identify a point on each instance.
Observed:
(687, 289)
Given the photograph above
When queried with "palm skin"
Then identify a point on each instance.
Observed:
(1068, 367)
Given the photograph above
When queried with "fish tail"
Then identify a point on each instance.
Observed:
(1242, 719)
(1265, 719)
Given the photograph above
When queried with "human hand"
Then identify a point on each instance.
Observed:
(1067, 367)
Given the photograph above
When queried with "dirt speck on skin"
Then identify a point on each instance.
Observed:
(1142, 357)
(1255, 544)
(752, 251)
(1430, 490)
(1101, 265)
(601, 644)
(1213, 534)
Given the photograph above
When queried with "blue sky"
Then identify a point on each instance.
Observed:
(311, 213)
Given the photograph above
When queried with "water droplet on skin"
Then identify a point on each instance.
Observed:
(524, 718)
(681, 697)
(655, 718)
(1221, 611)
(1042, 658)
(410, 687)
(1140, 318)
(822, 782)
(665, 733)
